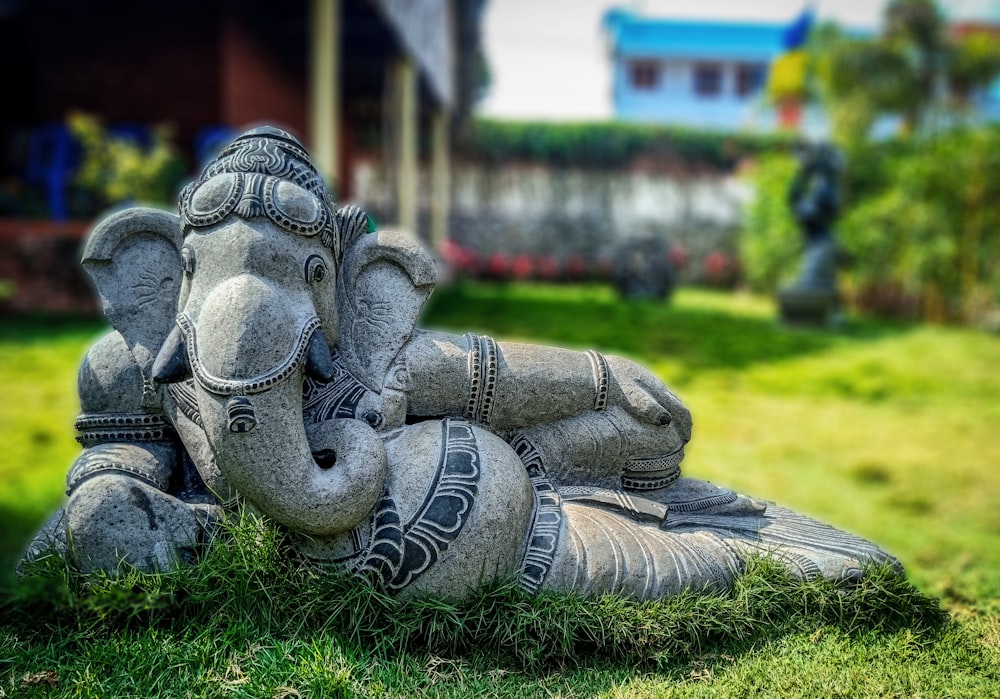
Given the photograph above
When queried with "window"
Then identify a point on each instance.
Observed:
(644, 75)
(750, 78)
(707, 79)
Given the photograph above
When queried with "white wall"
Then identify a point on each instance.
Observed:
(533, 210)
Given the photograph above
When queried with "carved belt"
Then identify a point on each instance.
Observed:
(399, 553)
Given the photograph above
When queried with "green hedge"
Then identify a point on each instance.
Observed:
(612, 145)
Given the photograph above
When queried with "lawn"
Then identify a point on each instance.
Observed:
(884, 429)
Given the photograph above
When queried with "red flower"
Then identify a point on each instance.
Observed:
(547, 267)
(678, 257)
(497, 265)
(460, 258)
(718, 265)
(576, 267)
(521, 267)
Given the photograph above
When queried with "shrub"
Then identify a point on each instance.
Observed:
(930, 230)
(118, 169)
(613, 145)
(770, 244)
(920, 225)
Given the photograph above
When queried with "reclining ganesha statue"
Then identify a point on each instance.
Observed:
(265, 355)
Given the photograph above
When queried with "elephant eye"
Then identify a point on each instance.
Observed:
(315, 269)
(187, 260)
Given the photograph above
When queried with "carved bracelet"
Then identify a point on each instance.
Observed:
(483, 370)
(93, 429)
(599, 366)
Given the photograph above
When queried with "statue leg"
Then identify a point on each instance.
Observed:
(603, 551)
(612, 450)
(119, 512)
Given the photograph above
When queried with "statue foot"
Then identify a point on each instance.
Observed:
(811, 549)
(686, 502)
(114, 519)
(51, 540)
(690, 495)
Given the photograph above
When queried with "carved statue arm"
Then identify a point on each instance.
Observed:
(512, 385)
(118, 432)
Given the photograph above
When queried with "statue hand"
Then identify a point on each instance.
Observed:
(637, 391)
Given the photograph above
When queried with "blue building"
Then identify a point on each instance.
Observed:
(696, 73)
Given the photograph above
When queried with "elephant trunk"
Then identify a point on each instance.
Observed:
(322, 481)
(249, 346)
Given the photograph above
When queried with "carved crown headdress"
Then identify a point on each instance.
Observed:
(266, 172)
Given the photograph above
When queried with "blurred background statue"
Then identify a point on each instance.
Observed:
(643, 270)
(814, 198)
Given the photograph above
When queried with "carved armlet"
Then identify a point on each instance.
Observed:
(94, 429)
(483, 367)
(484, 378)
(602, 378)
(139, 445)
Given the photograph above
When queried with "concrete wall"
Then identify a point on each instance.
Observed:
(556, 216)
(531, 210)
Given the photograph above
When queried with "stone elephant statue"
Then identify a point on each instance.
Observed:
(265, 354)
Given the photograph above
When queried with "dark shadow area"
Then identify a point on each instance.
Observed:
(32, 328)
(700, 338)
(17, 526)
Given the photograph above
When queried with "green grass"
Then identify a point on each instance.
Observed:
(39, 358)
(883, 429)
(251, 620)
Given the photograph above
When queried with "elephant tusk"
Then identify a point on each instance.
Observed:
(319, 363)
(171, 365)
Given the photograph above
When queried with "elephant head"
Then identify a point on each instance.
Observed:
(249, 291)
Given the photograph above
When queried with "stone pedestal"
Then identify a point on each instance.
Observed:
(812, 298)
(802, 306)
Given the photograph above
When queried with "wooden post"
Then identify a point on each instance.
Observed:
(404, 83)
(324, 92)
(440, 180)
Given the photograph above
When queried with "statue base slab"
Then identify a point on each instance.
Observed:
(810, 307)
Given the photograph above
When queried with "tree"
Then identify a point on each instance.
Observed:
(913, 70)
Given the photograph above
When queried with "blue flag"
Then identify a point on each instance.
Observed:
(798, 31)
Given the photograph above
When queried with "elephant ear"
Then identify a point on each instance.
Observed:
(133, 257)
(385, 277)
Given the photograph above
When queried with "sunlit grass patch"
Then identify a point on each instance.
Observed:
(800, 416)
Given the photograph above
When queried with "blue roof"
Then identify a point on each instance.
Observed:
(636, 36)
